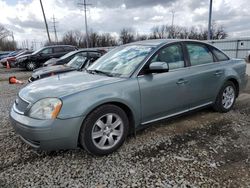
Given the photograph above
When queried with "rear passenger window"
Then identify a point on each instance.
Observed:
(199, 54)
(172, 55)
(220, 56)
(69, 48)
(58, 49)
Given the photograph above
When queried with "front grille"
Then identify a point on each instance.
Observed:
(21, 105)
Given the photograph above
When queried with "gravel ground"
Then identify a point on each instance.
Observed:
(199, 149)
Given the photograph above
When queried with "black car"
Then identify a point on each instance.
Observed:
(39, 57)
(67, 57)
(79, 62)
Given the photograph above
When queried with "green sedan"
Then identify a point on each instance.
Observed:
(127, 88)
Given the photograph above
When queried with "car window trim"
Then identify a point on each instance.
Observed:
(212, 48)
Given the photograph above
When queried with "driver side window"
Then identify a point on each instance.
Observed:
(172, 55)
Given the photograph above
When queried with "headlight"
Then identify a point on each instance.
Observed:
(47, 108)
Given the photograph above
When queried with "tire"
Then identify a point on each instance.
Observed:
(30, 66)
(104, 130)
(225, 101)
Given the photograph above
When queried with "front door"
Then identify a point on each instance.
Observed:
(164, 94)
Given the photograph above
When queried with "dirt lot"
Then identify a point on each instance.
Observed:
(199, 149)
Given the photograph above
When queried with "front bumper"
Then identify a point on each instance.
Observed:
(47, 134)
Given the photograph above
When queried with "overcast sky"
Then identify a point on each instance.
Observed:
(24, 17)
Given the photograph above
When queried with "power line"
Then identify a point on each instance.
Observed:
(45, 21)
(54, 27)
(84, 4)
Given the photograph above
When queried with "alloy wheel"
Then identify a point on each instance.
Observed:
(107, 131)
(228, 97)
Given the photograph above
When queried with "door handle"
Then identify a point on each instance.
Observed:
(218, 73)
(181, 81)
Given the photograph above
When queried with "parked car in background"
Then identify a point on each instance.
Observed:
(11, 54)
(79, 62)
(4, 54)
(67, 57)
(39, 57)
(12, 59)
(127, 88)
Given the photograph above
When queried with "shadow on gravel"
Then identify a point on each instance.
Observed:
(201, 137)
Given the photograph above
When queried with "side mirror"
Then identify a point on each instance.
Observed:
(158, 67)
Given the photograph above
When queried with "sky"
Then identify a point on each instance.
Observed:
(25, 19)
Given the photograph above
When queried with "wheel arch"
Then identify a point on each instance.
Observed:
(236, 84)
(126, 108)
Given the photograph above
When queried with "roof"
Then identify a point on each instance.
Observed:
(157, 42)
(59, 45)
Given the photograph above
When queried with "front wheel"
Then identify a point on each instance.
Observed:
(226, 97)
(104, 130)
(30, 66)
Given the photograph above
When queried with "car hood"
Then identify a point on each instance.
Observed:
(23, 56)
(64, 84)
(51, 69)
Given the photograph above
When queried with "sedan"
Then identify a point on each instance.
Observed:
(67, 57)
(124, 90)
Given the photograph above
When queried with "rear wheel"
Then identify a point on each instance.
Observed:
(30, 66)
(104, 130)
(226, 97)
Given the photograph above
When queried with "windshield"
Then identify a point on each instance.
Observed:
(121, 61)
(67, 55)
(77, 62)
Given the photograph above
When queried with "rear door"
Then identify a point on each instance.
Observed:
(58, 52)
(205, 74)
(164, 94)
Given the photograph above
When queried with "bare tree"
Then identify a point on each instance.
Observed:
(5, 43)
(140, 37)
(3, 32)
(194, 32)
(159, 32)
(106, 39)
(93, 39)
(127, 35)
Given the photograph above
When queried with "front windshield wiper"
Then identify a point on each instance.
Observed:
(95, 71)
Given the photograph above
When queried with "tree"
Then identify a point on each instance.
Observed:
(5, 43)
(194, 32)
(3, 32)
(127, 35)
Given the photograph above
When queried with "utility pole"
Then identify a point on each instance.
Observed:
(54, 27)
(209, 20)
(45, 21)
(84, 4)
(172, 25)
